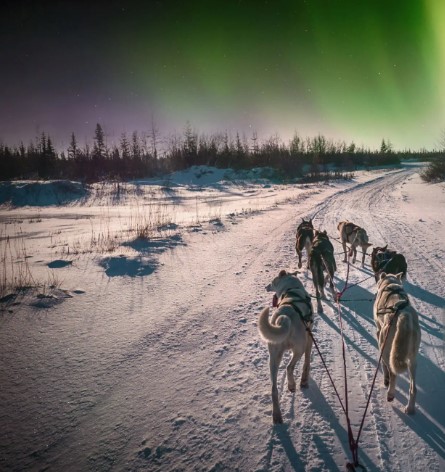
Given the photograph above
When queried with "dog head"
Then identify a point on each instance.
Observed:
(283, 282)
(389, 279)
(321, 234)
(306, 224)
(377, 250)
(378, 254)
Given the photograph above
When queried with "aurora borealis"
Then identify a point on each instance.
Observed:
(357, 70)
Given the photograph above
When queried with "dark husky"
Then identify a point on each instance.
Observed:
(385, 260)
(321, 259)
(305, 235)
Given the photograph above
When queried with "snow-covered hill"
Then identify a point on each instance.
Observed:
(146, 355)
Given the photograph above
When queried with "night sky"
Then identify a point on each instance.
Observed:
(357, 70)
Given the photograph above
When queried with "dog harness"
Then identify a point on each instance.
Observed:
(352, 227)
(323, 247)
(294, 296)
(393, 289)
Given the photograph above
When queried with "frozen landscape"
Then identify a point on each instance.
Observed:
(136, 347)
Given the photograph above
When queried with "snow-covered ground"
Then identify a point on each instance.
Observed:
(143, 354)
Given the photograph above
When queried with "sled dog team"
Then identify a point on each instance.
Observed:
(398, 331)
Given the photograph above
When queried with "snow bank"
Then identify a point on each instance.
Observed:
(40, 193)
(206, 176)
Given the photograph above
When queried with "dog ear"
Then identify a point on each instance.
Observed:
(368, 245)
(399, 276)
(385, 248)
(382, 275)
(282, 273)
(294, 273)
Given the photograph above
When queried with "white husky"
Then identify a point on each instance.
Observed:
(393, 311)
(287, 331)
(355, 236)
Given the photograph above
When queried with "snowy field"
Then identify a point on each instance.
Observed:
(137, 348)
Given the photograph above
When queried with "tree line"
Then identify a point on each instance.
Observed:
(147, 155)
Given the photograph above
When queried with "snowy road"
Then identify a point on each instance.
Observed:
(167, 372)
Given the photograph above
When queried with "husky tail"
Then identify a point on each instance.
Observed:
(273, 333)
(400, 346)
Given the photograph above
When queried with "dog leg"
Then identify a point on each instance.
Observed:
(388, 376)
(308, 250)
(391, 393)
(345, 250)
(328, 280)
(363, 257)
(304, 382)
(355, 255)
(299, 257)
(290, 371)
(410, 407)
(275, 355)
(385, 374)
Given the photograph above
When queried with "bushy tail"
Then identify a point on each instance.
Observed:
(400, 346)
(273, 333)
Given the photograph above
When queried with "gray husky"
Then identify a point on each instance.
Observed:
(355, 236)
(393, 312)
(286, 330)
(385, 260)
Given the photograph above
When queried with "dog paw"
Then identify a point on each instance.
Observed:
(304, 384)
(389, 397)
(409, 410)
(292, 388)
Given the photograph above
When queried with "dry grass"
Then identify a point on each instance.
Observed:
(148, 220)
(16, 274)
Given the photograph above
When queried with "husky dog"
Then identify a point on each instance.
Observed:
(355, 236)
(321, 259)
(385, 260)
(393, 312)
(286, 330)
(305, 235)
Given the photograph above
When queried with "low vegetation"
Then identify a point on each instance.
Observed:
(435, 171)
(149, 154)
(16, 274)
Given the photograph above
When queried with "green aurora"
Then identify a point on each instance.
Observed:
(358, 70)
